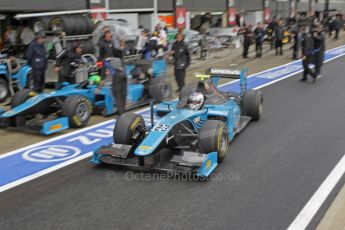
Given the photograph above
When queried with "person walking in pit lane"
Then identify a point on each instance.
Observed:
(307, 54)
(319, 49)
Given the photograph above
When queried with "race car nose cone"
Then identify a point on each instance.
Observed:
(143, 150)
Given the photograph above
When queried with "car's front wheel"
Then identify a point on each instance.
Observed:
(214, 137)
(129, 129)
(78, 109)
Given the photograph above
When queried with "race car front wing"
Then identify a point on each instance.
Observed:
(192, 163)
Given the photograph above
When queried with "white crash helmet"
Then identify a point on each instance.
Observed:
(196, 101)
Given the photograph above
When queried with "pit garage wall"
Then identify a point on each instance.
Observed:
(254, 7)
(40, 5)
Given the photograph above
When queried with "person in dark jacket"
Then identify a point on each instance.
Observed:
(36, 55)
(278, 37)
(270, 30)
(182, 59)
(307, 54)
(331, 25)
(107, 48)
(247, 40)
(66, 63)
(319, 49)
(259, 39)
(114, 76)
(337, 26)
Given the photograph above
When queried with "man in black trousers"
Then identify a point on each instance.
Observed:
(36, 55)
(319, 49)
(259, 39)
(307, 54)
(279, 36)
(247, 39)
(182, 60)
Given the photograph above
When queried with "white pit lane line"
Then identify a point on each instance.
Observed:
(313, 205)
(301, 221)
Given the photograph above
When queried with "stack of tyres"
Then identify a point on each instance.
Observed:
(72, 24)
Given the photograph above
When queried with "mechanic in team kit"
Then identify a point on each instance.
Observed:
(36, 55)
(307, 54)
(114, 76)
(67, 62)
(319, 49)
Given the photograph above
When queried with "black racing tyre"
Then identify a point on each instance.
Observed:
(23, 95)
(41, 24)
(214, 137)
(88, 25)
(63, 23)
(82, 24)
(159, 89)
(78, 109)
(4, 90)
(20, 97)
(253, 104)
(79, 25)
(129, 129)
(186, 91)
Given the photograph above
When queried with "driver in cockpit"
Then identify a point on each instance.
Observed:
(196, 101)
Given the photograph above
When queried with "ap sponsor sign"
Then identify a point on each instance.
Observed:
(51, 153)
(33, 161)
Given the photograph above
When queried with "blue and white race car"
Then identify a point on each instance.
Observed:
(73, 105)
(192, 134)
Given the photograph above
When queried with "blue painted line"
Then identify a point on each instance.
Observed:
(30, 162)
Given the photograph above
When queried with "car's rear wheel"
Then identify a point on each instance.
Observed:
(4, 90)
(78, 109)
(20, 97)
(129, 129)
(253, 104)
(214, 137)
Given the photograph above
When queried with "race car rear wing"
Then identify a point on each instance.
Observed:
(230, 73)
(224, 73)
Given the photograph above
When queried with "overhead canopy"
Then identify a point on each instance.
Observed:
(40, 5)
